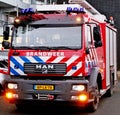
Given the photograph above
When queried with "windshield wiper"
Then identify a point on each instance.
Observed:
(46, 47)
(42, 47)
(22, 47)
(65, 47)
(32, 47)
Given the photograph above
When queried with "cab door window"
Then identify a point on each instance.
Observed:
(88, 36)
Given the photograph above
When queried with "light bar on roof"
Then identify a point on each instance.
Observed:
(75, 10)
(86, 5)
(56, 7)
(27, 11)
(75, 1)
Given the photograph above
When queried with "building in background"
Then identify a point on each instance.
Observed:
(9, 9)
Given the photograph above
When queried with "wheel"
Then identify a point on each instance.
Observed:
(24, 106)
(1, 90)
(19, 106)
(94, 104)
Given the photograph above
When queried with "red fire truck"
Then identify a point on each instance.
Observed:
(61, 53)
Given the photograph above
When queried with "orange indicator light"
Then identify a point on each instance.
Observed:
(83, 97)
(9, 95)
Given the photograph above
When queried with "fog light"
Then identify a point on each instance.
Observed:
(78, 87)
(10, 95)
(12, 86)
(83, 97)
(74, 98)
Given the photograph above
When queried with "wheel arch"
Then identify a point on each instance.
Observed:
(95, 78)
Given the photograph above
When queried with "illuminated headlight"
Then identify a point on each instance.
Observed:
(12, 86)
(78, 87)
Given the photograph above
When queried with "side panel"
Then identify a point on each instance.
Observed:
(110, 54)
(107, 56)
(115, 56)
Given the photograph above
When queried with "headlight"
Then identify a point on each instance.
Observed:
(12, 86)
(78, 87)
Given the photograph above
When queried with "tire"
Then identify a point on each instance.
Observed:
(94, 105)
(19, 106)
(24, 106)
(1, 90)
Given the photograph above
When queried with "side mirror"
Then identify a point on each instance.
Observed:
(96, 33)
(6, 44)
(6, 33)
(97, 36)
(98, 44)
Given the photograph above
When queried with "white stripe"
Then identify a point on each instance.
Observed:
(93, 50)
(58, 59)
(71, 60)
(45, 58)
(17, 70)
(71, 72)
(31, 59)
(96, 56)
(19, 60)
(91, 55)
(88, 57)
(80, 74)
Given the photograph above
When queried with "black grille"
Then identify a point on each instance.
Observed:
(37, 68)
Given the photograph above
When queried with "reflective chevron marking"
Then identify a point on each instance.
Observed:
(20, 60)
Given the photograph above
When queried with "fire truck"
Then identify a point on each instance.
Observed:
(61, 53)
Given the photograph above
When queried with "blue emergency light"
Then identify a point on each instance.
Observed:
(27, 11)
(75, 10)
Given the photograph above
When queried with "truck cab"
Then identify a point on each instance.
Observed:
(57, 57)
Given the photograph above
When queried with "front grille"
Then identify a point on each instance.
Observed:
(51, 68)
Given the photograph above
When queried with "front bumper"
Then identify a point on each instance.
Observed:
(62, 91)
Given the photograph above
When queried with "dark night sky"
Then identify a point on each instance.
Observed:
(110, 8)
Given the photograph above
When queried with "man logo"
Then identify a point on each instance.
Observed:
(44, 67)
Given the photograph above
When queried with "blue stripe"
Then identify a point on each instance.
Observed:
(38, 59)
(24, 59)
(16, 62)
(13, 71)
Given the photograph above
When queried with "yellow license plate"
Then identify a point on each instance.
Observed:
(44, 87)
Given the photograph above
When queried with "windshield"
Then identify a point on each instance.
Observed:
(51, 37)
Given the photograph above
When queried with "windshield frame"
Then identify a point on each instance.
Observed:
(49, 47)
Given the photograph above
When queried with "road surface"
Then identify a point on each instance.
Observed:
(107, 106)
